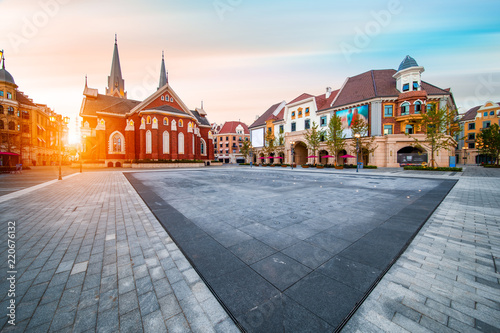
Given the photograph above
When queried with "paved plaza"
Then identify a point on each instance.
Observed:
(273, 251)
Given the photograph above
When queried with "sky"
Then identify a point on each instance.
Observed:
(239, 56)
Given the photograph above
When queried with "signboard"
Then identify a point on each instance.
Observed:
(257, 137)
(411, 158)
(348, 116)
(453, 162)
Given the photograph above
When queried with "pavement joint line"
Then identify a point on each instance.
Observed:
(30, 189)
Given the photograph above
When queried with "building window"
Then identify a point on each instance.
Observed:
(148, 142)
(429, 107)
(227, 138)
(10, 110)
(472, 126)
(117, 143)
(269, 129)
(1, 125)
(165, 121)
(485, 114)
(1, 93)
(221, 145)
(166, 98)
(180, 141)
(322, 136)
(227, 145)
(1, 109)
(148, 120)
(471, 145)
(293, 114)
(307, 124)
(418, 106)
(181, 123)
(162, 98)
(202, 147)
(387, 129)
(405, 109)
(387, 110)
(472, 136)
(307, 111)
(409, 129)
(171, 99)
(300, 113)
(406, 87)
(294, 127)
(492, 113)
(486, 124)
(9, 95)
(12, 126)
(322, 121)
(234, 138)
(415, 85)
(166, 143)
(282, 129)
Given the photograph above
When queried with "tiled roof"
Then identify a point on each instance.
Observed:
(265, 116)
(165, 108)
(376, 83)
(230, 127)
(202, 120)
(471, 114)
(324, 103)
(23, 99)
(105, 103)
(407, 63)
(301, 97)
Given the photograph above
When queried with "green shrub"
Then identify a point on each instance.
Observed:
(491, 166)
(418, 167)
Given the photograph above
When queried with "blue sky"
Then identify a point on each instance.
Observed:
(242, 56)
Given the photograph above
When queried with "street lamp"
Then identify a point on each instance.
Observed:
(357, 136)
(465, 154)
(59, 121)
(251, 155)
(293, 151)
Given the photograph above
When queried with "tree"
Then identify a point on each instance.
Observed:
(279, 144)
(440, 127)
(335, 137)
(366, 143)
(313, 138)
(269, 146)
(245, 149)
(488, 142)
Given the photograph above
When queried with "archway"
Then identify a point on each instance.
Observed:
(110, 164)
(118, 165)
(271, 158)
(340, 160)
(322, 160)
(411, 155)
(364, 157)
(300, 153)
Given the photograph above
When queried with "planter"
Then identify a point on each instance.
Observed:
(319, 167)
(305, 166)
(272, 165)
(340, 167)
(284, 165)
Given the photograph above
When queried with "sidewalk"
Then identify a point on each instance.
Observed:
(90, 256)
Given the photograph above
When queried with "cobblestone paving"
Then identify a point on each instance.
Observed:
(447, 280)
(90, 256)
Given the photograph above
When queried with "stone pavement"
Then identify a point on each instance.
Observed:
(90, 256)
(448, 279)
(82, 265)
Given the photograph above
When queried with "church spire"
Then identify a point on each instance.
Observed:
(163, 73)
(116, 84)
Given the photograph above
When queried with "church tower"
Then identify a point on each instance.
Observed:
(116, 84)
(163, 73)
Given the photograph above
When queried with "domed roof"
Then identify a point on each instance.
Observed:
(6, 77)
(407, 63)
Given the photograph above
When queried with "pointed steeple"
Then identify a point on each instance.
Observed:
(116, 84)
(163, 73)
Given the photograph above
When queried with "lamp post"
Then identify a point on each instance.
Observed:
(357, 136)
(59, 120)
(293, 151)
(465, 154)
(251, 155)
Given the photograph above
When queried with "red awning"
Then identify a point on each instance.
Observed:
(6, 153)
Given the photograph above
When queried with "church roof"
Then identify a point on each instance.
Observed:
(407, 63)
(163, 73)
(108, 104)
(115, 79)
(166, 108)
(202, 120)
(5, 76)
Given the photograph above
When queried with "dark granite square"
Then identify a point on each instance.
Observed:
(266, 317)
(307, 254)
(300, 231)
(256, 229)
(352, 273)
(298, 319)
(281, 270)
(243, 290)
(330, 300)
(278, 240)
(231, 237)
(374, 254)
(328, 242)
(251, 251)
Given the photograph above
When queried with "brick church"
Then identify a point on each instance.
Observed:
(116, 129)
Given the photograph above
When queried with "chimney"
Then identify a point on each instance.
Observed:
(328, 92)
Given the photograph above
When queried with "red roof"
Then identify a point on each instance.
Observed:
(229, 127)
(267, 115)
(324, 103)
(300, 98)
(23, 99)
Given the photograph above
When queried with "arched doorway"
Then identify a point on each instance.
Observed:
(271, 158)
(118, 165)
(262, 160)
(282, 159)
(411, 156)
(322, 160)
(300, 153)
(341, 160)
(364, 156)
(110, 164)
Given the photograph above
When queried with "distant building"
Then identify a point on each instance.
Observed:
(116, 129)
(390, 101)
(472, 122)
(228, 140)
(27, 134)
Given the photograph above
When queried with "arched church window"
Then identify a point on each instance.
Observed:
(148, 120)
(180, 141)
(117, 143)
(181, 123)
(165, 121)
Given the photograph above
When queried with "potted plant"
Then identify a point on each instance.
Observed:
(319, 166)
(305, 166)
(339, 166)
(284, 165)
